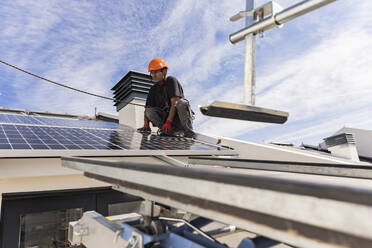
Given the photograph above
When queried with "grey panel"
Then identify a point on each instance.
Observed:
(244, 112)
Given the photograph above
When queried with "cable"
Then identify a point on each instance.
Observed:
(53, 82)
(62, 85)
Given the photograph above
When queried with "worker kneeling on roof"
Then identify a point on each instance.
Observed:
(166, 106)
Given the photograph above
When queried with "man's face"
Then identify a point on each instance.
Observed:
(157, 75)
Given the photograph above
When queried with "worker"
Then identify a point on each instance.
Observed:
(166, 106)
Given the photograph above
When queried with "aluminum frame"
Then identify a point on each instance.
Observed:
(109, 153)
(339, 170)
(302, 214)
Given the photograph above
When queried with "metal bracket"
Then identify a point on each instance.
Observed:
(265, 10)
(171, 161)
(241, 14)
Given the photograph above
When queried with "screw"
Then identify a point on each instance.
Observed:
(132, 240)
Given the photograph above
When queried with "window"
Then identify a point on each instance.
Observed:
(47, 229)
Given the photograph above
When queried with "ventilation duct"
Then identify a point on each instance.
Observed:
(130, 95)
(343, 146)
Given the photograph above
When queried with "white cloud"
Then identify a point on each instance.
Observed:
(311, 67)
(327, 82)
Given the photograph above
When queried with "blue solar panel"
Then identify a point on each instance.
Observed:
(26, 137)
(26, 132)
(50, 138)
(18, 118)
(129, 139)
(55, 121)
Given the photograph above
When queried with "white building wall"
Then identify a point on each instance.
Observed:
(363, 140)
(132, 114)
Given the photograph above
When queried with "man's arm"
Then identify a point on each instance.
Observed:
(149, 103)
(172, 111)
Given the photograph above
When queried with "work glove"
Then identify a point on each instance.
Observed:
(167, 126)
(145, 129)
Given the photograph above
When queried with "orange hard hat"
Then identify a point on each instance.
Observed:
(157, 64)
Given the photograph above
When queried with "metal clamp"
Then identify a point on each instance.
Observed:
(241, 14)
(135, 241)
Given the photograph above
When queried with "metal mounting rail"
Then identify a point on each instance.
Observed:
(111, 153)
(302, 214)
(339, 170)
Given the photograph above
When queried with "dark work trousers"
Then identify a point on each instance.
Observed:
(182, 120)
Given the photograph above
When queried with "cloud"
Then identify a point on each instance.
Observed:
(327, 82)
(311, 67)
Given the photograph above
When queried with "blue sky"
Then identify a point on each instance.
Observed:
(317, 67)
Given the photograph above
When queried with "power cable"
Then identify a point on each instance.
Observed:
(62, 85)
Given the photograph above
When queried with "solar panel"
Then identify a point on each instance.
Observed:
(18, 118)
(55, 121)
(54, 138)
(27, 137)
(26, 132)
(129, 139)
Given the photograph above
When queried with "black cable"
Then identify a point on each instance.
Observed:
(62, 85)
(53, 82)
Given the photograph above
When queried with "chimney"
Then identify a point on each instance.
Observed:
(130, 95)
(343, 146)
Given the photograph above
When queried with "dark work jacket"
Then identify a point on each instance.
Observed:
(160, 95)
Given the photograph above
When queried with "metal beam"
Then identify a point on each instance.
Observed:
(244, 112)
(279, 18)
(111, 153)
(171, 161)
(302, 214)
(339, 170)
(249, 60)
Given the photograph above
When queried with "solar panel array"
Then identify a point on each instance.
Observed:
(20, 132)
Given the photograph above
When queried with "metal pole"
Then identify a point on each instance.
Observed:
(250, 60)
(278, 19)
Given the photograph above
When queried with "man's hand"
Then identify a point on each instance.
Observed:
(167, 126)
(145, 129)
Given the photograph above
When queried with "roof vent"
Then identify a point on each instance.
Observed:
(130, 95)
(343, 146)
(131, 86)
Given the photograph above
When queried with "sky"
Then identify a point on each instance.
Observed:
(316, 67)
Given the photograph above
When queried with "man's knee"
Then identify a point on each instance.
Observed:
(184, 110)
(182, 105)
(154, 115)
(151, 113)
